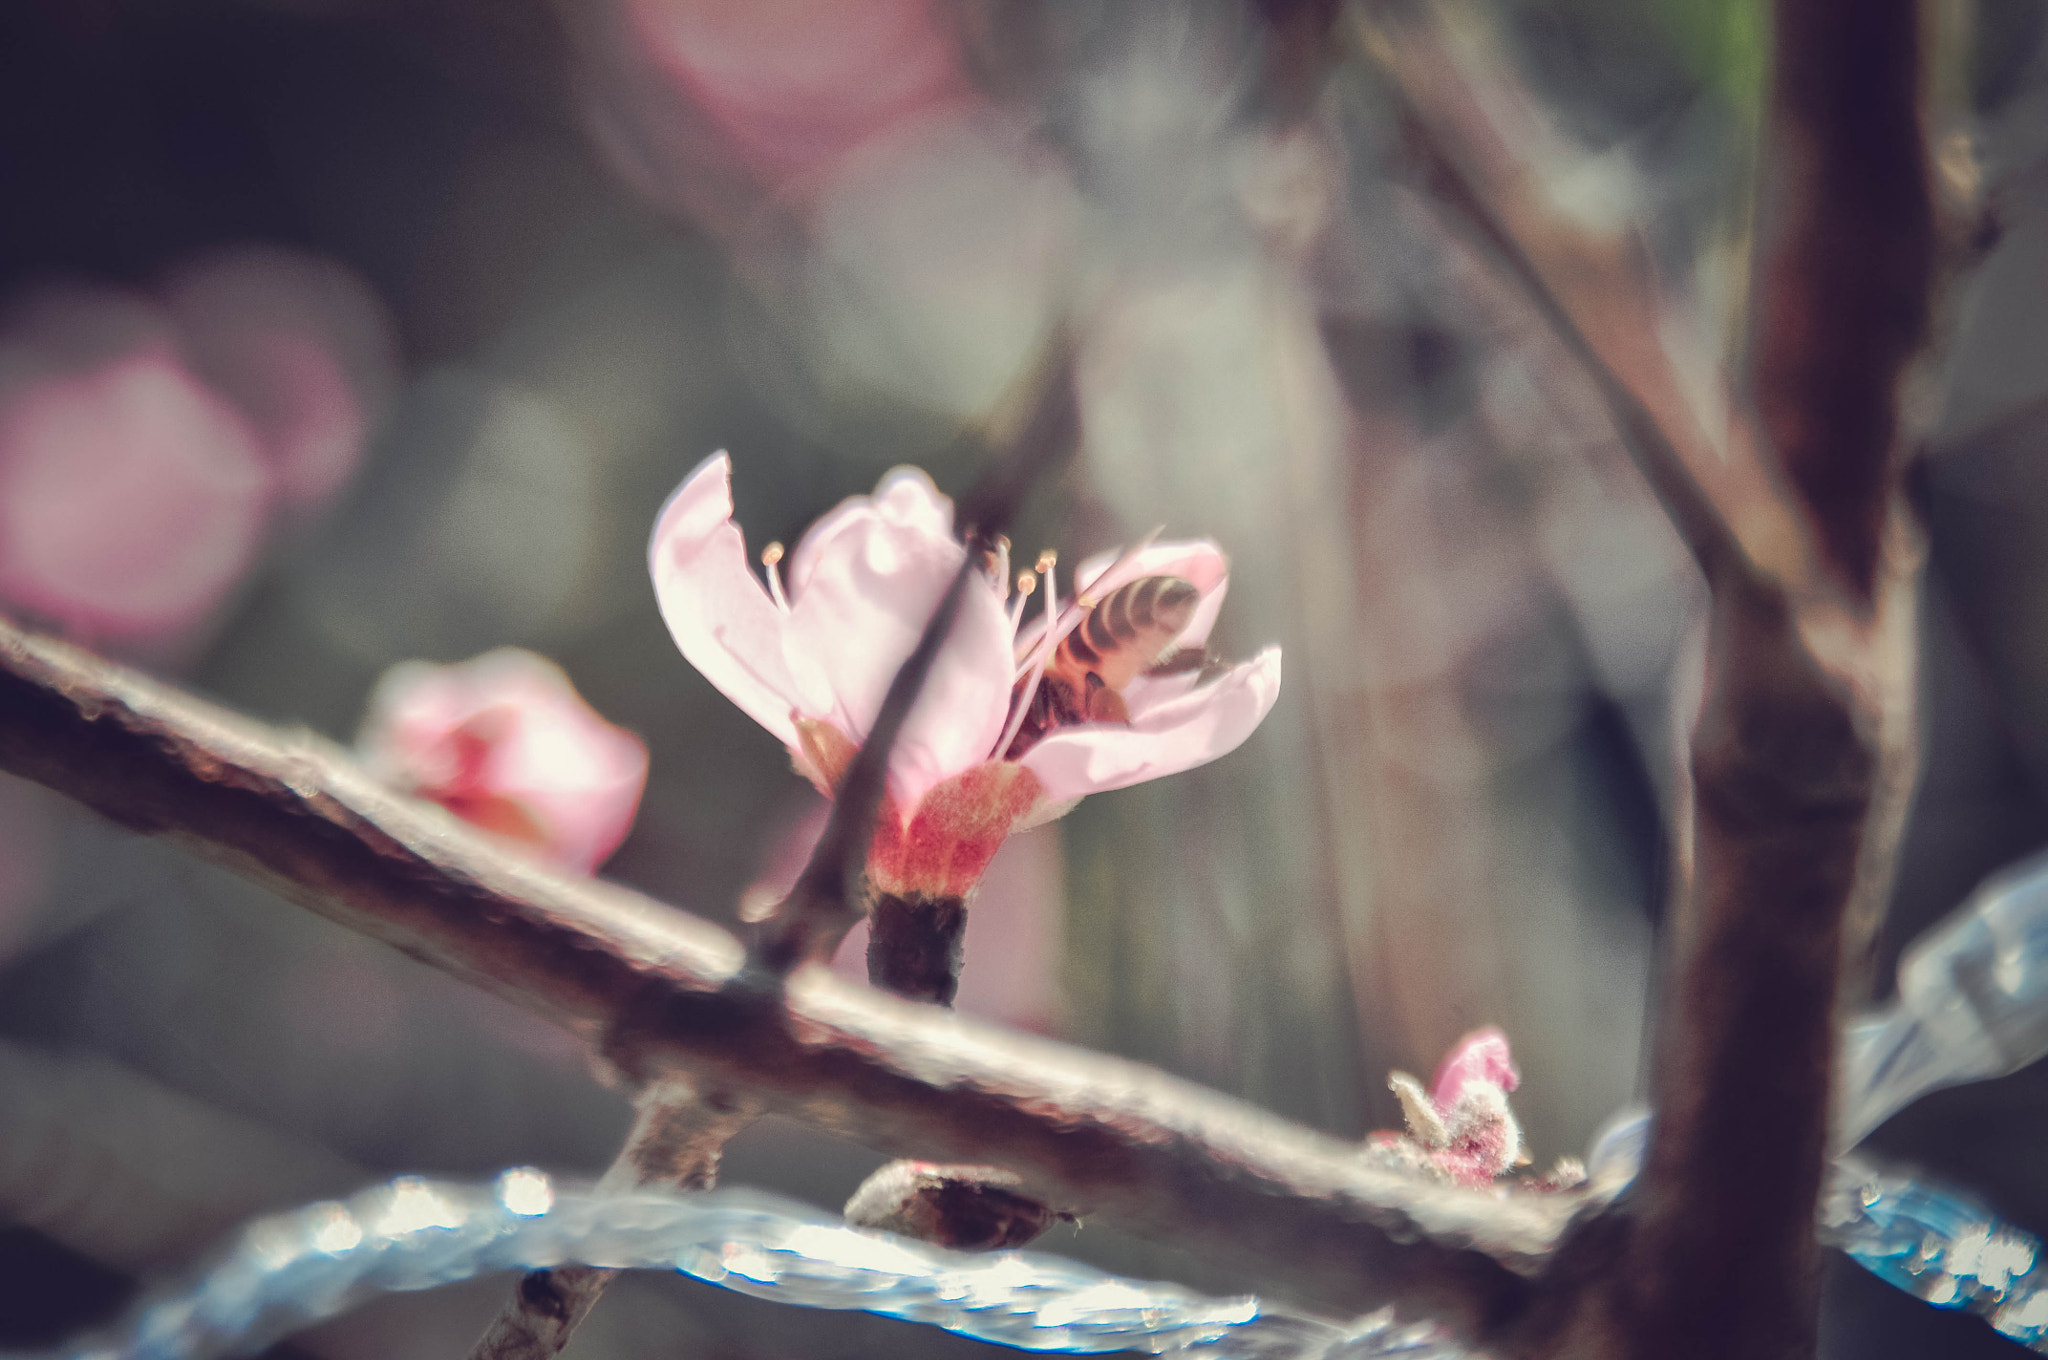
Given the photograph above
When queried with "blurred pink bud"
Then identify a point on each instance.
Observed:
(704, 103)
(797, 83)
(132, 497)
(302, 345)
(505, 743)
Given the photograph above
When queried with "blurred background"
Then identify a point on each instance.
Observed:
(340, 333)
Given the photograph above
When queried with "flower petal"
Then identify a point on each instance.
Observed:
(905, 498)
(1189, 730)
(718, 611)
(1481, 1056)
(864, 582)
(1197, 560)
(965, 700)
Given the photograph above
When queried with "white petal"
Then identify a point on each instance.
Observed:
(866, 582)
(718, 611)
(905, 498)
(1185, 731)
(965, 700)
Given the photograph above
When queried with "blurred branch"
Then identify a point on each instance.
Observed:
(132, 1173)
(1472, 129)
(824, 904)
(825, 901)
(664, 993)
(1722, 1260)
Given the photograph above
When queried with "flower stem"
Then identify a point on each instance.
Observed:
(914, 945)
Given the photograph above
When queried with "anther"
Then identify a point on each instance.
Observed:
(1034, 668)
(1026, 583)
(770, 557)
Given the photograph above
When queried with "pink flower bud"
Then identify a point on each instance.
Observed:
(505, 743)
(1481, 1055)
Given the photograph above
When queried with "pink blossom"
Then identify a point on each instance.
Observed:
(811, 661)
(796, 83)
(505, 742)
(132, 496)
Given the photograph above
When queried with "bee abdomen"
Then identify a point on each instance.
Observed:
(1131, 628)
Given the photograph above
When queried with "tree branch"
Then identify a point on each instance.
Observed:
(677, 1140)
(1846, 266)
(1786, 757)
(664, 993)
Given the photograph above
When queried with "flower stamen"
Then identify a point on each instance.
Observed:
(1040, 654)
(771, 558)
(1026, 583)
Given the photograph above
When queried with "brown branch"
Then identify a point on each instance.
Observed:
(1723, 1261)
(1845, 282)
(1787, 758)
(1847, 264)
(664, 993)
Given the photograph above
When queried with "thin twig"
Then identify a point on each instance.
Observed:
(1700, 523)
(823, 904)
(692, 1126)
(678, 1136)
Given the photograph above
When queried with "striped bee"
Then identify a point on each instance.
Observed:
(1130, 632)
